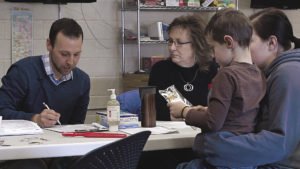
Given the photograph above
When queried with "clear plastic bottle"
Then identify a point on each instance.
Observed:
(113, 111)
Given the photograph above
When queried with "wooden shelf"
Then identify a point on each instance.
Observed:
(132, 81)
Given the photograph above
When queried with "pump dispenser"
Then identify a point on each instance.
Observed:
(113, 111)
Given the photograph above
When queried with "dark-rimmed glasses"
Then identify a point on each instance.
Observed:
(177, 43)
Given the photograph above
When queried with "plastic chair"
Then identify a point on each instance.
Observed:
(121, 154)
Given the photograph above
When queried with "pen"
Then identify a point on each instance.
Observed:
(99, 127)
(49, 109)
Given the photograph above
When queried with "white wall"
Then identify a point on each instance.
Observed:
(101, 52)
(100, 22)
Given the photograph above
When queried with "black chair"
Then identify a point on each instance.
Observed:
(121, 154)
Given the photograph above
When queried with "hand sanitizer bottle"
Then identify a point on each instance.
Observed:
(113, 112)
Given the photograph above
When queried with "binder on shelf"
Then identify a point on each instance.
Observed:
(165, 31)
(158, 31)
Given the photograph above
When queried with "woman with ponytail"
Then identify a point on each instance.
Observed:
(276, 141)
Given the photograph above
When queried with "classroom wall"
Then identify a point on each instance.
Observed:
(101, 49)
(100, 57)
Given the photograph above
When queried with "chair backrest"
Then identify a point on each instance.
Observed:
(130, 102)
(121, 154)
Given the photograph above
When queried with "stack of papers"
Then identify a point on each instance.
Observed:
(19, 127)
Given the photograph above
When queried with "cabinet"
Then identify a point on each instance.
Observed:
(138, 7)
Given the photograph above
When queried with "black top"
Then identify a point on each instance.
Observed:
(166, 73)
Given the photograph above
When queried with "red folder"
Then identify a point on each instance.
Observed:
(94, 134)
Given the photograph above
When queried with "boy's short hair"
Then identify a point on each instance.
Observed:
(230, 22)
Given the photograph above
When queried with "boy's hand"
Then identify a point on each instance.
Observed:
(176, 108)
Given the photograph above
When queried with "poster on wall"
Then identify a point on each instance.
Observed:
(22, 41)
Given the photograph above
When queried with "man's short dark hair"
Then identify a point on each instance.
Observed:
(68, 27)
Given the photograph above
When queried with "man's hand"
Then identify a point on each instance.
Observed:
(47, 118)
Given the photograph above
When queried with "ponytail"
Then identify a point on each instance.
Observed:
(296, 42)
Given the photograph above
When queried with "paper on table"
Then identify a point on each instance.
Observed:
(154, 130)
(19, 127)
(174, 124)
(76, 127)
(178, 125)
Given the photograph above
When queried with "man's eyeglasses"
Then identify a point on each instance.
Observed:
(177, 43)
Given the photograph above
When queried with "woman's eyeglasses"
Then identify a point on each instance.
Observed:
(177, 43)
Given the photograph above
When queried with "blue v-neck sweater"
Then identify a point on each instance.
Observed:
(26, 86)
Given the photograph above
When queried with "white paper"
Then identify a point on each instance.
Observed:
(19, 127)
(175, 125)
(154, 130)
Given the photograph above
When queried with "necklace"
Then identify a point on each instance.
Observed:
(188, 87)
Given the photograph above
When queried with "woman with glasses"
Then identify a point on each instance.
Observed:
(189, 67)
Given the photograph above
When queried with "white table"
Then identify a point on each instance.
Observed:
(53, 144)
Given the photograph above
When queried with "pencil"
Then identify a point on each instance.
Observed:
(49, 109)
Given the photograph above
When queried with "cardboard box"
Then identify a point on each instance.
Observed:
(127, 120)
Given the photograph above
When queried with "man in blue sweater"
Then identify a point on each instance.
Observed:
(53, 79)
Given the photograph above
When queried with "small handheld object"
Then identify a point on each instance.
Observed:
(94, 134)
(49, 109)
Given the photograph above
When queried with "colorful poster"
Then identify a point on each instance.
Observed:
(22, 41)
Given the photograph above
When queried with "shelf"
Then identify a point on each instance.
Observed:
(172, 8)
(132, 81)
(138, 7)
(145, 42)
(153, 42)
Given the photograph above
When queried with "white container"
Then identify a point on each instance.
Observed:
(127, 120)
(193, 3)
(113, 112)
(172, 2)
